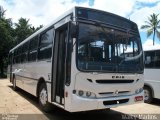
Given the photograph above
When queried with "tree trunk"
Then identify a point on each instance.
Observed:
(154, 36)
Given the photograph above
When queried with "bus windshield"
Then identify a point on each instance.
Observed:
(108, 50)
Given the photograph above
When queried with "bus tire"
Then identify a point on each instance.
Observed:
(14, 84)
(43, 98)
(147, 95)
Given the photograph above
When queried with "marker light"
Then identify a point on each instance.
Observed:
(138, 98)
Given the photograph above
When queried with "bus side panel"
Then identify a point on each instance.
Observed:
(152, 78)
(30, 79)
(18, 72)
(33, 71)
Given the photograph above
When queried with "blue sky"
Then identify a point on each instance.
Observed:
(44, 11)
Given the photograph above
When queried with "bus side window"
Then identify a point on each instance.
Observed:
(33, 49)
(149, 59)
(45, 46)
(24, 55)
(157, 59)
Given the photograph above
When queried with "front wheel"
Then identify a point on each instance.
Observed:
(43, 98)
(147, 95)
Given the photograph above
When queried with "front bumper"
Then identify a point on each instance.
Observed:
(85, 104)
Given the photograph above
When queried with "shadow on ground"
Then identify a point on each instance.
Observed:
(59, 114)
(156, 102)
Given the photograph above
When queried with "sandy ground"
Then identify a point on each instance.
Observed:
(23, 106)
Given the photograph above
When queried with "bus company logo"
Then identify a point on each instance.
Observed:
(118, 77)
(116, 92)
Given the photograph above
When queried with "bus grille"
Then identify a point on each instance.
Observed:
(113, 81)
(113, 94)
(113, 102)
(108, 93)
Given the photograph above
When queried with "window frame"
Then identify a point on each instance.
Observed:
(154, 61)
(34, 49)
(45, 47)
(25, 52)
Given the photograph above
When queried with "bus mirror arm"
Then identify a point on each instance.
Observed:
(73, 33)
(73, 29)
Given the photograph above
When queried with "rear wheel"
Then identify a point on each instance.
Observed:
(43, 98)
(147, 95)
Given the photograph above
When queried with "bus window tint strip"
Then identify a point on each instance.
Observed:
(106, 18)
(33, 49)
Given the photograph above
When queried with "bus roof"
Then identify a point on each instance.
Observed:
(44, 28)
(72, 10)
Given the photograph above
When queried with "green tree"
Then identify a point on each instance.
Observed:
(22, 29)
(152, 26)
(6, 42)
(36, 29)
(2, 12)
(39, 27)
(10, 36)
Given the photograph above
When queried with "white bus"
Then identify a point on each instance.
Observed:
(152, 75)
(78, 62)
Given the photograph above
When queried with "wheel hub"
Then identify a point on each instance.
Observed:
(43, 96)
(146, 94)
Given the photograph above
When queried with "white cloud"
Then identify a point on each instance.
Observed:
(43, 12)
(39, 11)
(148, 45)
(141, 15)
(115, 6)
(148, 1)
(125, 7)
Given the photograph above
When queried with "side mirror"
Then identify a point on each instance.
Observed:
(73, 29)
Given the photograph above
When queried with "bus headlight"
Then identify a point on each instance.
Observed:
(85, 94)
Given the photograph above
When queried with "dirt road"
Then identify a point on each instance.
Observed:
(23, 106)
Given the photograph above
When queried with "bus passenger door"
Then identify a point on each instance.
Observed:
(58, 65)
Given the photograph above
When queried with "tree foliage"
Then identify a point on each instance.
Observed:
(22, 29)
(36, 29)
(152, 26)
(2, 12)
(10, 35)
(6, 32)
